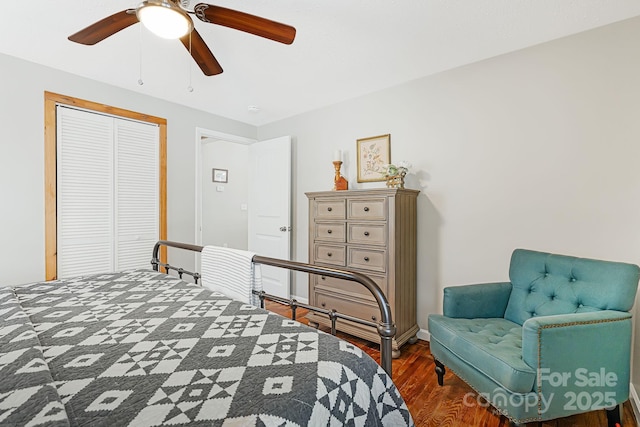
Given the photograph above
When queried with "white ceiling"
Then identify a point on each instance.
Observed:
(343, 49)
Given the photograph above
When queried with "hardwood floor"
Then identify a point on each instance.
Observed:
(449, 405)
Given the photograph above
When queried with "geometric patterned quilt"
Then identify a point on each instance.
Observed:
(141, 348)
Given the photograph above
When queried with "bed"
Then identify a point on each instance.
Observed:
(144, 348)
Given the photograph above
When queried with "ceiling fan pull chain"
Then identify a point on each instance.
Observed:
(190, 88)
(140, 82)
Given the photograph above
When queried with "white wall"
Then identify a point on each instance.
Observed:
(536, 149)
(223, 220)
(22, 87)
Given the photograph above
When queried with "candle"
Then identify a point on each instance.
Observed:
(337, 156)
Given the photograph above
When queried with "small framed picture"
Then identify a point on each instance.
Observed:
(373, 154)
(220, 175)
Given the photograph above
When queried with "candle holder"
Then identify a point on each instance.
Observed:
(339, 182)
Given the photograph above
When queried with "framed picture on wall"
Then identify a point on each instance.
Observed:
(220, 175)
(373, 154)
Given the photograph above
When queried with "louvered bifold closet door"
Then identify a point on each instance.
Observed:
(107, 193)
(137, 169)
(84, 193)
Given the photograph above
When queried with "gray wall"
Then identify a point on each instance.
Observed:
(223, 220)
(22, 87)
(536, 149)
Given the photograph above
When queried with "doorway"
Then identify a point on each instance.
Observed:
(225, 188)
(223, 204)
(243, 199)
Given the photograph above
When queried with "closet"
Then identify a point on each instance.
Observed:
(107, 174)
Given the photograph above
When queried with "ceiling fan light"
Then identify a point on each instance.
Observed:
(164, 19)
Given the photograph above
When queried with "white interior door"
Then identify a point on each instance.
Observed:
(270, 209)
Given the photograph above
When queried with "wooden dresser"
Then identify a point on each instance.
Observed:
(371, 232)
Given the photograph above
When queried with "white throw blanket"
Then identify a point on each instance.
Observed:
(232, 273)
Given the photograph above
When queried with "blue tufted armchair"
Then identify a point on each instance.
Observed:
(552, 342)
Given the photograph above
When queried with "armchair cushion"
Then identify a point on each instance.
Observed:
(493, 346)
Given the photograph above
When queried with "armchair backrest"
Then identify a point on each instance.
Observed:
(545, 284)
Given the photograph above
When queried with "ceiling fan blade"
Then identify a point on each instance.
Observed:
(201, 54)
(104, 28)
(244, 22)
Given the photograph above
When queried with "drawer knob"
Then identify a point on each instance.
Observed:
(374, 318)
(329, 231)
(323, 278)
(324, 304)
(366, 208)
(366, 259)
(329, 208)
(366, 233)
(329, 254)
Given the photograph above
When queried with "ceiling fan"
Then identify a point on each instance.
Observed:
(170, 19)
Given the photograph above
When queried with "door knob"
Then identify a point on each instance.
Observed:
(285, 228)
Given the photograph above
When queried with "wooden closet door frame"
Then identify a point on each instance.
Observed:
(50, 170)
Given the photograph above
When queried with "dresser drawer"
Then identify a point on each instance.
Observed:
(347, 287)
(329, 209)
(330, 231)
(329, 254)
(367, 234)
(367, 259)
(355, 309)
(371, 209)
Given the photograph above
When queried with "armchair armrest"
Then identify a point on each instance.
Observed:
(582, 359)
(485, 300)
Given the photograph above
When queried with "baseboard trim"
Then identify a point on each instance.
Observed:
(424, 335)
(635, 403)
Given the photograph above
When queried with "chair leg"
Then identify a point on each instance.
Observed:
(613, 416)
(440, 371)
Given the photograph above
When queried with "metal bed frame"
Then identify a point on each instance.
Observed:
(386, 328)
